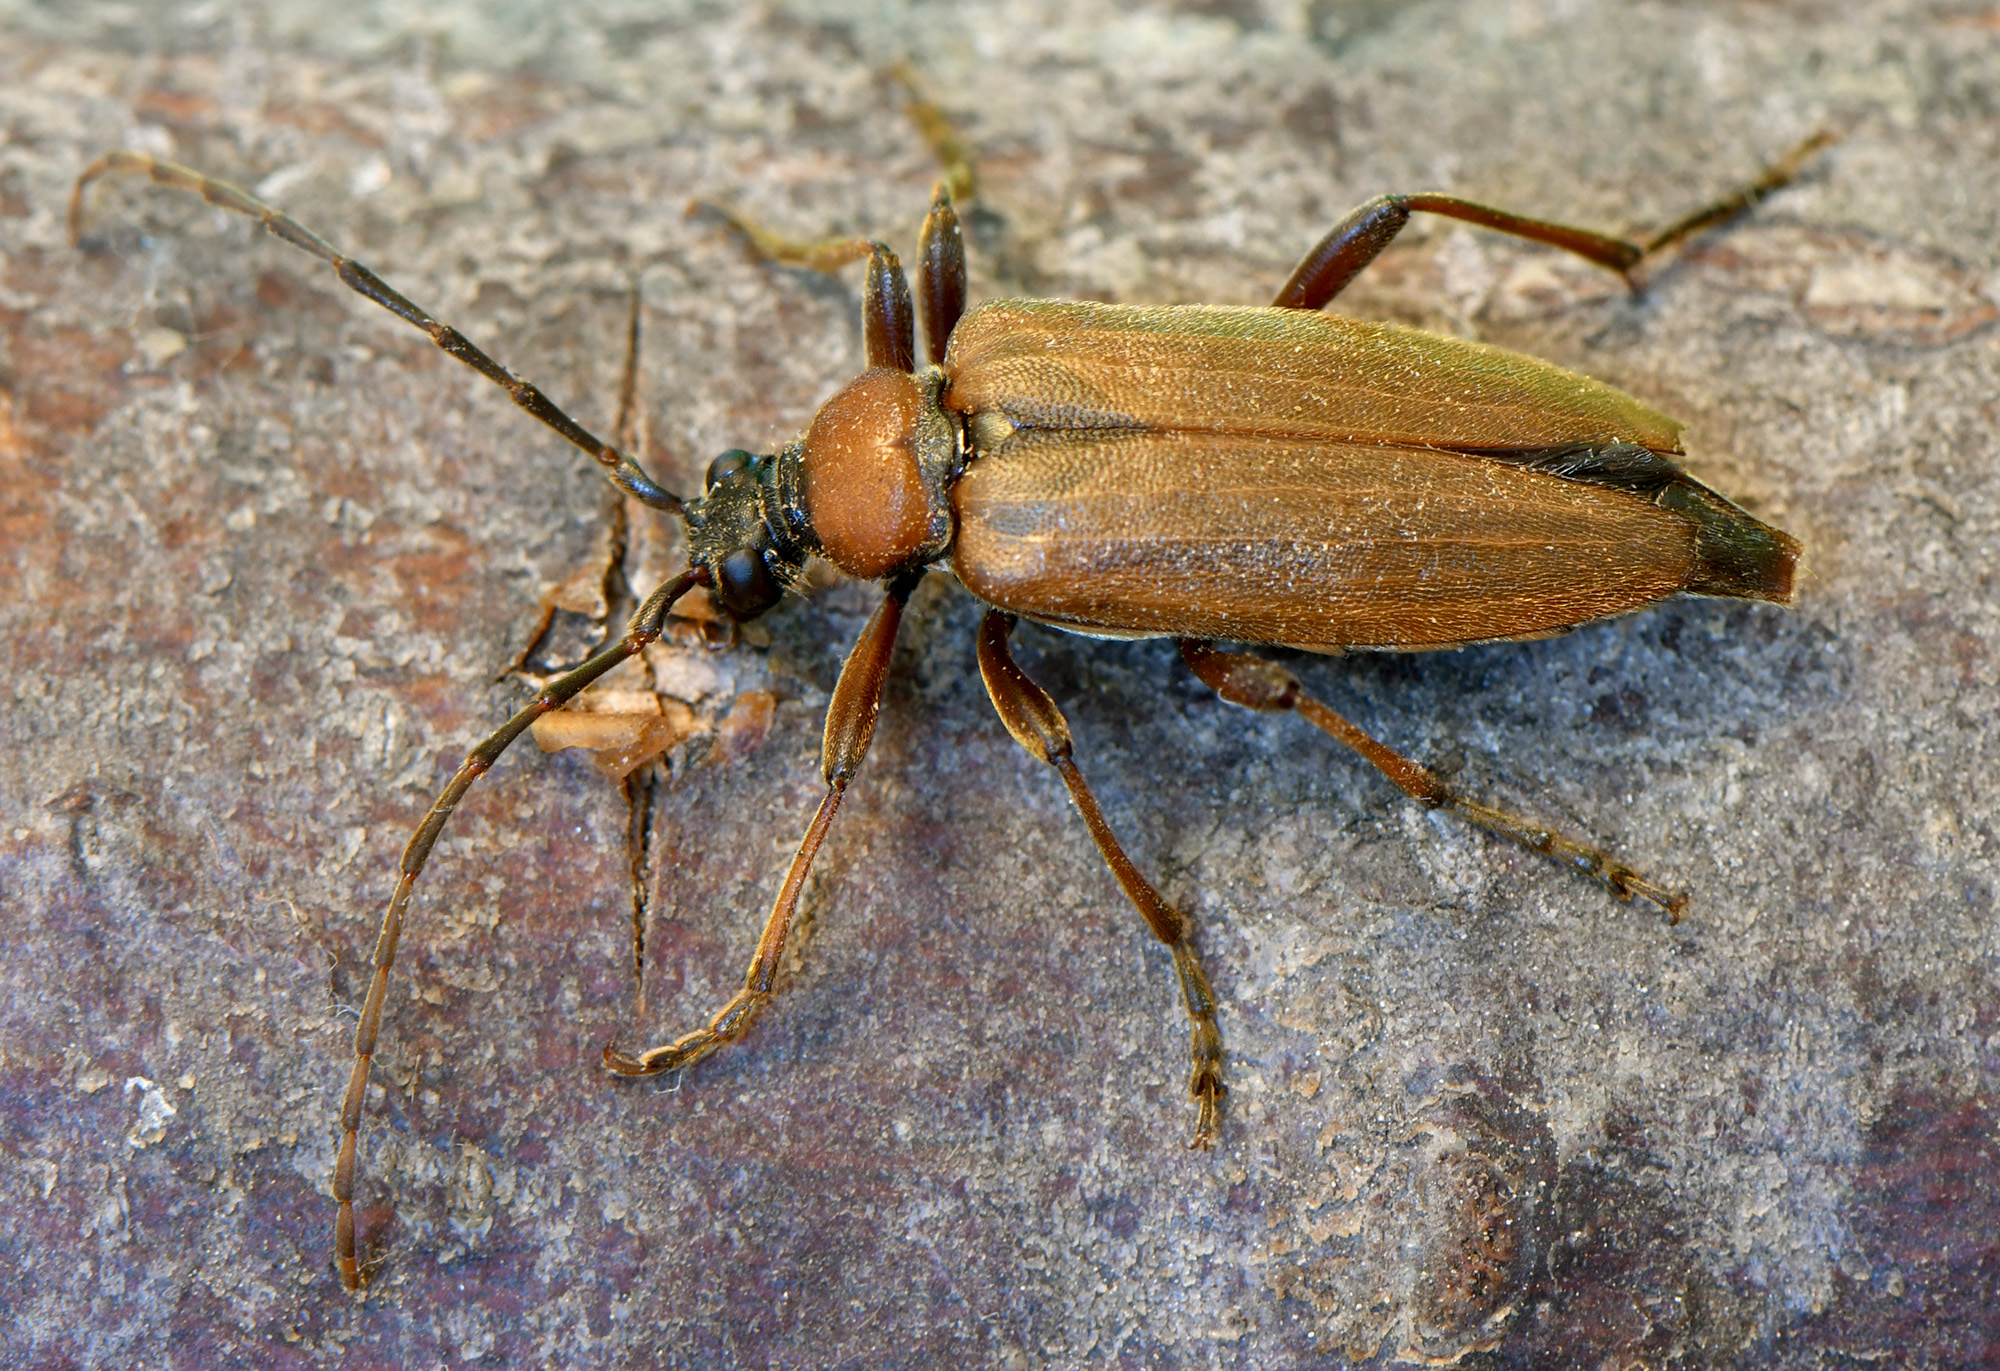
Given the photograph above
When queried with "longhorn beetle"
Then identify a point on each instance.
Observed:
(1212, 474)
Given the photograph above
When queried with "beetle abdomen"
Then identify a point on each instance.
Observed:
(1312, 545)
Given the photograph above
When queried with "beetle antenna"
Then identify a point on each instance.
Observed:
(642, 629)
(619, 469)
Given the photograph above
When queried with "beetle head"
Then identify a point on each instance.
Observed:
(731, 534)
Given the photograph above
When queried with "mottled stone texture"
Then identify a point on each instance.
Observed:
(266, 553)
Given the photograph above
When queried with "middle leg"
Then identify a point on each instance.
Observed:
(1037, 725)
(850, 727)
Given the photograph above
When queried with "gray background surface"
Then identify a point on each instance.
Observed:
(266, 552)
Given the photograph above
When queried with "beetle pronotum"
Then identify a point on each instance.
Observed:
(1268, 476)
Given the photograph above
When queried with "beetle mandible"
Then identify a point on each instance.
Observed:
(1270, 475)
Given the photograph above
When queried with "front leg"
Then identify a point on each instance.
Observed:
(850, 727)
(642, 630)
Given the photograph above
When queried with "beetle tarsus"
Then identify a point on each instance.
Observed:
(1204, 1047)
(1620, 879)
(813, 254)
(731, 1022)
(1721, 210)
(1208, 1106)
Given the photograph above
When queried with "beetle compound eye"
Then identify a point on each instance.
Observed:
(744, 586)
(726, 466)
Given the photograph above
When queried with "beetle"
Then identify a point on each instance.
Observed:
(1271, 475)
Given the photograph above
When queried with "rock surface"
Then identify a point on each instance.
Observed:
(267, 552)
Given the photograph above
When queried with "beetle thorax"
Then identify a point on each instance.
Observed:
(874, 470)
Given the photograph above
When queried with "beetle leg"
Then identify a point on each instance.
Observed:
(588, 589)
(1038, 725)
(619, 469)
(1357, 239)
(888, 325)
(814, 254)
(941, 272)
(632, 434)
(938, 130)
(940, 256)
(1779, 174)
(627, 428)
(643, 628)
(850, 726)
(1254, 683)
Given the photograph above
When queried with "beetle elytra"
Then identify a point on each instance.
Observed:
(1272, 475)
